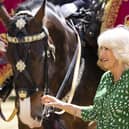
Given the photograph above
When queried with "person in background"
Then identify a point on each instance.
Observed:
(116, 11)
(10, 5)
(110, 109)
(5, 67)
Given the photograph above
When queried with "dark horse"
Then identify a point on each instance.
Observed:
(40, 49)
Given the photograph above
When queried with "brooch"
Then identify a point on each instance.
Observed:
(20, 65)
(22, 94)
(20, 23)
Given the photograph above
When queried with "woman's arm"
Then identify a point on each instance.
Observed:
(84, 112)
(54, 102)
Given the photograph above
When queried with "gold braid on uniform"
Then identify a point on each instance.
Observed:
(5, 69)
(110, 14)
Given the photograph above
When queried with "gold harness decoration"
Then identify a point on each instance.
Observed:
(22, 94)
(20, 23)
(12, 115)
(110, 14)
(15, 110)
(20, 65)
(126, 20)
(5, 73)
(26, 39)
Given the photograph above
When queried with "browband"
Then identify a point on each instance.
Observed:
(26, 39)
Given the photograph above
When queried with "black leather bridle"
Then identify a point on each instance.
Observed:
(26, 41)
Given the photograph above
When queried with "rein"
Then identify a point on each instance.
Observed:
(75, 62)
(14, 112)
(69, 72)
(46, 86)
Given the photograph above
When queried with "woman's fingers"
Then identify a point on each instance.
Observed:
(51, 101)
(46, 99)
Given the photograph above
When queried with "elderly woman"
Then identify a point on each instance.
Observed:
(111, 102)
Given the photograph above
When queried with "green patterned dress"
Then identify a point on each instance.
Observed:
(111, 103)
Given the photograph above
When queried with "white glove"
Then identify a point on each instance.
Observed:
(68, 9)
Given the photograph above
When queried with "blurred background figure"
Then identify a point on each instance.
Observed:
(10, 6)
(116, 12)
(5, 67)
(68, 7)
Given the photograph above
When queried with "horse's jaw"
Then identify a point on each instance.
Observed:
(25, 114)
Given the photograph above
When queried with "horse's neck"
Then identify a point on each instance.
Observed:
(65, 42)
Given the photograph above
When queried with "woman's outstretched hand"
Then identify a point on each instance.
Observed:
(51, 101)
(54, 102)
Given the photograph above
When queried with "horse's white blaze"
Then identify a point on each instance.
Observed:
(25, 114)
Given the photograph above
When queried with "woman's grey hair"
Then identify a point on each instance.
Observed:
(116, 39)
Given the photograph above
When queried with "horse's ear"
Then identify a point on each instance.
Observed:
(4, 15)
(41, 12)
